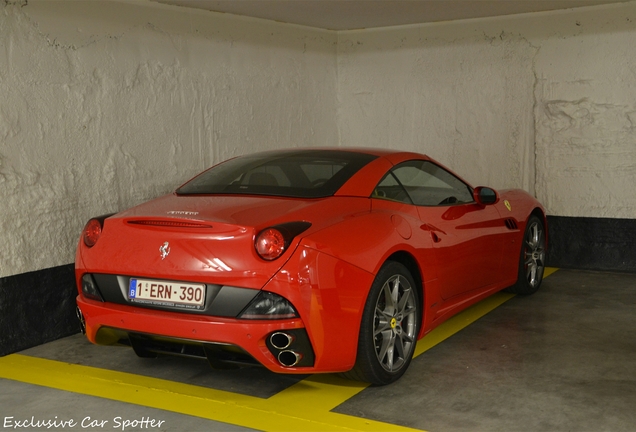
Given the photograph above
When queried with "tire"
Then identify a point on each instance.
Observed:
(389, 327)
(532, 259)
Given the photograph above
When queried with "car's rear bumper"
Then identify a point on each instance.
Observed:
(220, 339)
(328, 293)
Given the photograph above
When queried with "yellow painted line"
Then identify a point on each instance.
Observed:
(548, 271)
(467, 317)
(305, 406)
(461, 320)
(222, 406)
(330, 389)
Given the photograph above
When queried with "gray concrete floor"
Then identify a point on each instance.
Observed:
(563, 359)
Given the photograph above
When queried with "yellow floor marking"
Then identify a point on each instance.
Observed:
(459, 321)
(233, 408)
(467, 317)
(304, 406)
(548, 271)
(331, 389)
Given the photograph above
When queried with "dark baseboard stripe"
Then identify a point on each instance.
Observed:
(592, 243)
(37, 307)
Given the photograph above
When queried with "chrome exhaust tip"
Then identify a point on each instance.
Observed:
(82, 321)
(289, 358)
(280, 340)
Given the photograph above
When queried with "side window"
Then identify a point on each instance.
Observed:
(390, 189)
(430, 185)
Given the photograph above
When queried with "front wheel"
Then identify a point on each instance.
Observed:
(389, 327)
(532, 259)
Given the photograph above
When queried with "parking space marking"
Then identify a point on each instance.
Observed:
(218, 405)
(459, 321)
(304, 406)
(465, 318)
(278, 413)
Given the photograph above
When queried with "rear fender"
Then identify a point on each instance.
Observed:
(367, 240)
(329, 295)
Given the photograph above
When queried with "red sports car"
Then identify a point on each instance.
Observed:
(306, 261)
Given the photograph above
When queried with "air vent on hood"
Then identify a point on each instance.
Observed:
(169, 223)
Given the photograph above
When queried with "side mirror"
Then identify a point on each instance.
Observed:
(485, 196)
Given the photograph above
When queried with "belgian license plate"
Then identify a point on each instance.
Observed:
(167, 293)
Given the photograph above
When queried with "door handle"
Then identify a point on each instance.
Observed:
(434, 232)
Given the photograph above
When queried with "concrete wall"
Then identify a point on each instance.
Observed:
(451, 91)
(107, 104)
(545, 102)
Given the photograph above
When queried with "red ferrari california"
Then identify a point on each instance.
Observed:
(306, 261)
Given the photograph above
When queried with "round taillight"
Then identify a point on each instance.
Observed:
(92, 231)
(270, 244)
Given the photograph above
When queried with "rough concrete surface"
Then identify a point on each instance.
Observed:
(542, 102)
(106, 104)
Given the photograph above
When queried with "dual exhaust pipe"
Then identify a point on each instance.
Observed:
(283, 341)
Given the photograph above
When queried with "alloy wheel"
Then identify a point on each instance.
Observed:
(395, 323)
(534, 260)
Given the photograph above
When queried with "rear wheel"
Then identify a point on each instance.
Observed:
(389, 327)
(532, 259)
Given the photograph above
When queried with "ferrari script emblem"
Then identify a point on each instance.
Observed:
(165, 250)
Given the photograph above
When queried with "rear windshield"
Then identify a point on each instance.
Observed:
(294, 173)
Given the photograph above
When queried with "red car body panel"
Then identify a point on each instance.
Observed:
(461, 254)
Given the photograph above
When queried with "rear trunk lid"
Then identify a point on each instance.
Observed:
(206, 239)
